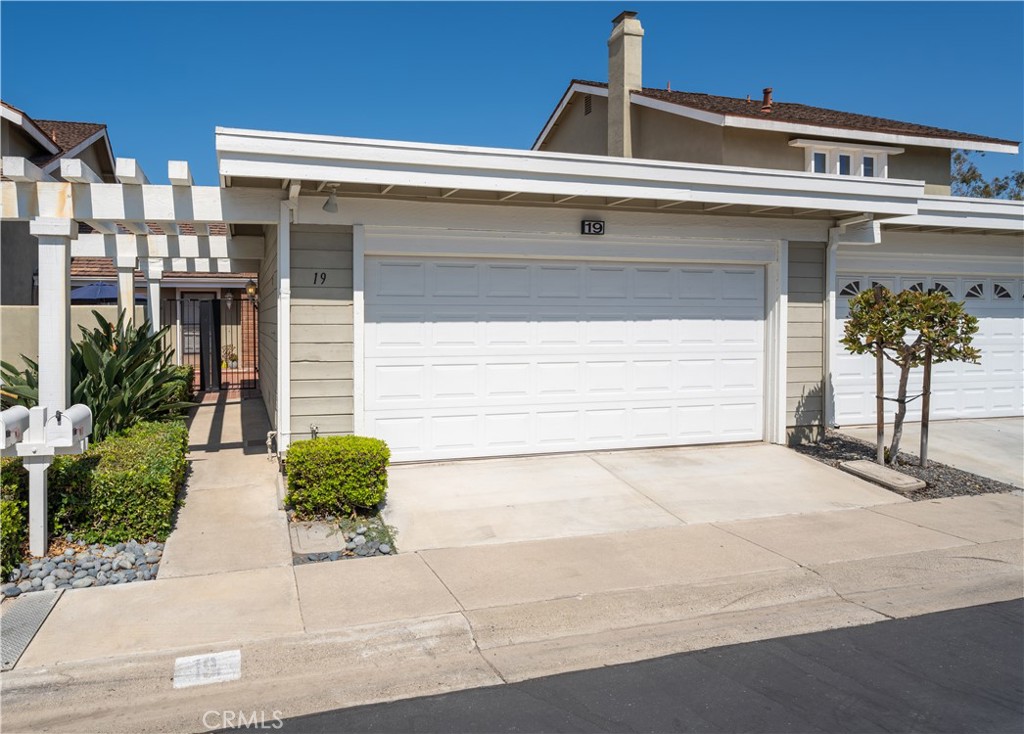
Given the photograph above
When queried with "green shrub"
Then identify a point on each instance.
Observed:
(184, 379)
(336, 475)
(13, 513)
(120, 370)
(124, 487)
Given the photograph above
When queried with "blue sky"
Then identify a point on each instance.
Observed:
(163, 75)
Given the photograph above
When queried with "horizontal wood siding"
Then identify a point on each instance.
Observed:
(321, 331)
(805, 344)
(268, 324)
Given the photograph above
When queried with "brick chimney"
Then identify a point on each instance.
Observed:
(625, 60)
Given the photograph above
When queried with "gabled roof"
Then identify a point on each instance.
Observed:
(57, 138)
(725, 110)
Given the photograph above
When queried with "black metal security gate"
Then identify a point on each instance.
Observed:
(218, 337)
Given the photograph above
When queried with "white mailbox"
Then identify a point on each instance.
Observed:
(69, 428)
(14, 425)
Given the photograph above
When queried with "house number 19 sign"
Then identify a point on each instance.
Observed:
(592, 226)
(319, 277)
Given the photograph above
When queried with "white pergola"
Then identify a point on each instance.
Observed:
(123, 217)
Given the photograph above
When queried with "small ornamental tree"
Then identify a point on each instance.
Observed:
(903, 325)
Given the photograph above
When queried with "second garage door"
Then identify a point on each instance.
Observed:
(486, 357)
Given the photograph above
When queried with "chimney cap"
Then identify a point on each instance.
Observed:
(624, 15)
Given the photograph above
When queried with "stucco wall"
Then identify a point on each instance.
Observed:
(578, 132)
(805, 344)
(667, 137)
(19, 328)
(930, 165)
(321, 331)
(268, 324)
(19, 258)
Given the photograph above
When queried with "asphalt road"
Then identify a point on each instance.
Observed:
(957, 671)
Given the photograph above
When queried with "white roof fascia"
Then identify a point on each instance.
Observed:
(29, 127)
(818, 130)
(838, 145)
(574, 88)
(961, 212)
(265, 154)
(712, 118)
(101, 133)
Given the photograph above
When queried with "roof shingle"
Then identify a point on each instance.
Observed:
(803, 114)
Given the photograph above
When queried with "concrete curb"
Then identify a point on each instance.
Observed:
(304, 673)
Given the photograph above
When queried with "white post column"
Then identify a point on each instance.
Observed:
(284, 328)
(126, 285)
(154, 272)
(54, 237)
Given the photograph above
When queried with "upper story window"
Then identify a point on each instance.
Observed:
(846, 159)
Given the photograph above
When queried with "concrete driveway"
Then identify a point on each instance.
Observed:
(464, 503)
(992, 447)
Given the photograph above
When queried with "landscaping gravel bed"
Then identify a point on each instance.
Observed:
(358, 543)
(77, 566)
(941, 480)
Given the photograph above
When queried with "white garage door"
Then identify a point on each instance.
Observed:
(485, 357)
(993, 388)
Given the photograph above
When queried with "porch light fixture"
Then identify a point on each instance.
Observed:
(229, 298)
(250, 290)
(331, 205)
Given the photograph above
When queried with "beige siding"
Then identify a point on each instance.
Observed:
(805, 345)
(268, 324)
(321, 331)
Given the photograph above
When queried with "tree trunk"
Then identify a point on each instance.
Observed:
(901, 413)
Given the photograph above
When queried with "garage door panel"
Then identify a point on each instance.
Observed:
(993, 388)
(551, 356)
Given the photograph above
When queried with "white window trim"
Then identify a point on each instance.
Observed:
(833, 150)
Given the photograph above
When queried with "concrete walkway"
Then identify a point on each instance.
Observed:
(230, 520)
(993, 447)
(462, 503)
(330, 635)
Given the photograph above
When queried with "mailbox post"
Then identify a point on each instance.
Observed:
(37, 435)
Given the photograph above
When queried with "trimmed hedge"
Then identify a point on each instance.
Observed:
(336, 475)
(185, 378)
(13, 513)
(125, 487)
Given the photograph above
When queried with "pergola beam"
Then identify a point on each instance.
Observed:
(178, 173)
(246, 247)
(128, 171)
(126, 204)
(21, 169)
(75, 171)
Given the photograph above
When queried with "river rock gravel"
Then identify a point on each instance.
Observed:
(941, 480)
(79, 566)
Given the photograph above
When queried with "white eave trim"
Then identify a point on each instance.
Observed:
(817, 130)
(961, 212)
(26, 124)
(574, 88)
(841, 145)
(262, 154)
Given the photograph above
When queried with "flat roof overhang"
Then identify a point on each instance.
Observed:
(403, 170)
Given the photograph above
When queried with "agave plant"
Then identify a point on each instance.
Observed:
(121, 371)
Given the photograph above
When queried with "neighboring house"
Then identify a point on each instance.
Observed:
(45, 143)
(463, 302)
